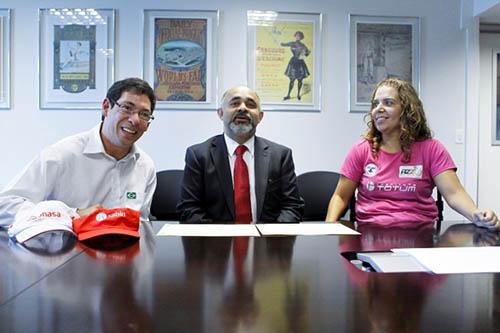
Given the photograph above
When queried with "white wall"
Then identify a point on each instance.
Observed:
(319, 140)
(480, 6)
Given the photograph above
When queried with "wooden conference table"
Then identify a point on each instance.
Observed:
(284, 284)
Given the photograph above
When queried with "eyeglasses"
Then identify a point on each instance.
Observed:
(130, 111)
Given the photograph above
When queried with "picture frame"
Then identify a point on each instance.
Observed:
(381, 47)
(180, 58)
(4, 58)
(76, 57)
(495, 108)
(285, 59)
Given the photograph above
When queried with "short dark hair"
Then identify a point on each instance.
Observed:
(134, 85)
(301, 34)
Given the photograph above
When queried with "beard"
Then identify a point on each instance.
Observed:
(240, 129)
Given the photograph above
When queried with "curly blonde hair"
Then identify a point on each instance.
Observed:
(412, 120)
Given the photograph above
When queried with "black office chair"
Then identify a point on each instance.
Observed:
(166, 196)
(316, 188)
(440, 206)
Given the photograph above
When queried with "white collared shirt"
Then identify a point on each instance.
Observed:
(249, 158)
(78, 172)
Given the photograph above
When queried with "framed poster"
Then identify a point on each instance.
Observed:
(4, 58)
(495, 114)
(381, 47)
(76, 60)
(284, 59)
(180, 58)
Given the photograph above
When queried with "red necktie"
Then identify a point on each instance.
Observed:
(241, 188)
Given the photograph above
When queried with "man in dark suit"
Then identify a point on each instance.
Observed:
(207, 193)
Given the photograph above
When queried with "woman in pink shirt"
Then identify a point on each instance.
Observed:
(397, 164)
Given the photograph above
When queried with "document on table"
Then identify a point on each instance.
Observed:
(306, 228)
(208, 230)
(448, 260)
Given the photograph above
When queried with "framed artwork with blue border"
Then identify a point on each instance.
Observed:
(76, 57)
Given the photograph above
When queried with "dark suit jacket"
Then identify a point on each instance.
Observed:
(207, 188)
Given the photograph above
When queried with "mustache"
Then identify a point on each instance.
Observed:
(244, 114)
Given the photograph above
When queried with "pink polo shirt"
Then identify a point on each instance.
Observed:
(390, 190)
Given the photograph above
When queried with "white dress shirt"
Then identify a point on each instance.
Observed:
(249, 158)
(78, 172)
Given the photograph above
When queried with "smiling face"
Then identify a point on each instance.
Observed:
(119, 130)
(240, 113)
(386, 112)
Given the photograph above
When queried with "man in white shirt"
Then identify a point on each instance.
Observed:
(100, 168)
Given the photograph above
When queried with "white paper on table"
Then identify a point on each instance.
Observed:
(307, 228)
(448, 260)
(208, 230)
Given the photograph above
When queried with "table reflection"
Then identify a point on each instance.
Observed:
(390, 302)
(23, 265)
(120, 307)
(385, 238)
(249, 280)
(263, 284)
(467, 234)
(118, 280)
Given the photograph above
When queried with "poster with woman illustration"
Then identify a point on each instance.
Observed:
(284, 55)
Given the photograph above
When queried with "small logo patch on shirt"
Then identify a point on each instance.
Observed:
(370, 170)
(131, 195)
(410, 171)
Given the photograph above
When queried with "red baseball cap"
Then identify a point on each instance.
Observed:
(122, 221)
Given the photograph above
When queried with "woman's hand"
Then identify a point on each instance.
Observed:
(485, 219)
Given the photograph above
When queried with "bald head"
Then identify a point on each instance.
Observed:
(238, 90)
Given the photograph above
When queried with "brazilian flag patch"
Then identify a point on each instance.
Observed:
(131, 195)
